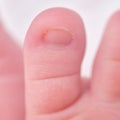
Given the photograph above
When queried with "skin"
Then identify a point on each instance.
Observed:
(53, 53)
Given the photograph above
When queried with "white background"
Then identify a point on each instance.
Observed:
(18, 14)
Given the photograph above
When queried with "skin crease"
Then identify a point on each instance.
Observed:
(77, 99)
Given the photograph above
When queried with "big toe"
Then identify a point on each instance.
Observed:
(54, 50)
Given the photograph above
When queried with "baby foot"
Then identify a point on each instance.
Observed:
(53, 53)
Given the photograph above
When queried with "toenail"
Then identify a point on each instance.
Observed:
(57, 37)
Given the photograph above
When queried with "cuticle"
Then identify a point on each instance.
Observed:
(55, 28)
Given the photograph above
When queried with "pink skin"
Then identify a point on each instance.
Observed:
(53, 53)
(11, 79)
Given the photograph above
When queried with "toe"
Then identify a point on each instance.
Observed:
(11, 79)
(106, 72)
(54, 49)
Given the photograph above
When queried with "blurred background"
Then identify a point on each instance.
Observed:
(18, 14)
